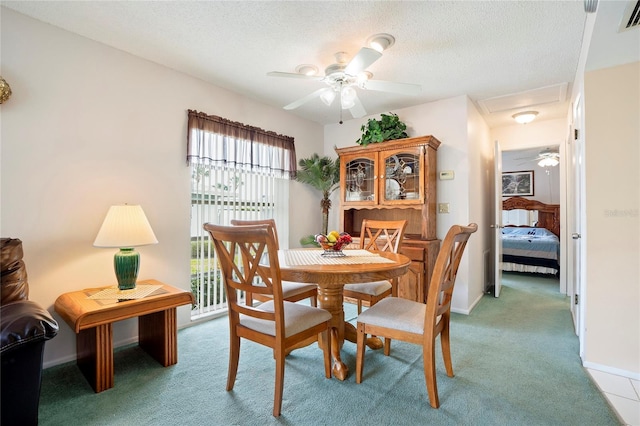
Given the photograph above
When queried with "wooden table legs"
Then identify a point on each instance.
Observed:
(94, 347)
(331, 299)
(158, 336)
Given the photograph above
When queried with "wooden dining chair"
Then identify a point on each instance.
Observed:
(248, 259)
(418, 323)
(377, 235)
(291, 291)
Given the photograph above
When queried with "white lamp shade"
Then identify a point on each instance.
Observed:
(125, 226)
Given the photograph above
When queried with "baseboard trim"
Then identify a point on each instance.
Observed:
(468, 310)
(611, 370)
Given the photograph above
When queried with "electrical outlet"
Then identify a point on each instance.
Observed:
(443, 208)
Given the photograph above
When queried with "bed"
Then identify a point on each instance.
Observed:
(530, 237)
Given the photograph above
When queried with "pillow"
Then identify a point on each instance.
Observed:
(538, 232)
(519, 231)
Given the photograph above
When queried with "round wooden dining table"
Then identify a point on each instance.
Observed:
(331, 280)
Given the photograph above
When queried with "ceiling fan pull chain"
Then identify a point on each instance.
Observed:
(340, 103)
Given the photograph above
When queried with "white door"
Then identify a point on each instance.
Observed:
(575, 178)
(497, 220)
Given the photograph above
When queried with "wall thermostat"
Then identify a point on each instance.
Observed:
(446, 175)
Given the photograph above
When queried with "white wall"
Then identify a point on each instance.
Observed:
(535, 134)
(89, 126)
(612, 162)
(465, 150)
(546, 180)
(481, 195)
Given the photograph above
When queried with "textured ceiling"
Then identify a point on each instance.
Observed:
(483, 49)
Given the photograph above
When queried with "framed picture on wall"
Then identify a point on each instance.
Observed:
(517, 183)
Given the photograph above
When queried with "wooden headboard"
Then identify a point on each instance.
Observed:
(548, 214)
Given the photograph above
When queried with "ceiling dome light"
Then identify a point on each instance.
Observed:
(548, 162)
(381, 42)
(307, 69)
(525, 116)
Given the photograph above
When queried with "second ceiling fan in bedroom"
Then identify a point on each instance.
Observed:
(342, 78)
(547, 157)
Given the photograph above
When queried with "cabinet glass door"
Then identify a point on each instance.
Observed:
(401, 176)
(360, 180)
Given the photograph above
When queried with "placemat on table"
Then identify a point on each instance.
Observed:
(113, 293)
(314, 257)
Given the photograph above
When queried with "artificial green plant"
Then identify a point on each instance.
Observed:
(389, 127)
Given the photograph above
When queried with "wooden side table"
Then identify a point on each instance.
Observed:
(92, 321)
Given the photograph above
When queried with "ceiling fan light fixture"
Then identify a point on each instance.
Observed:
(525, 116)
(381, 42)
(327, 97)
(347, 97)
(363, 77)
(548, 162)
(307, 69)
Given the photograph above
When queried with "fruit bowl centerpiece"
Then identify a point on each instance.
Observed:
(333, 243)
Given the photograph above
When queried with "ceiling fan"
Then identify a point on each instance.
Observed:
(548, 157)
(342, 78)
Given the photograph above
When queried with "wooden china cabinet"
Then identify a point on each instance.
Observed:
(395, 180)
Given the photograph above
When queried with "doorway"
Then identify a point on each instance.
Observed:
(543, 165)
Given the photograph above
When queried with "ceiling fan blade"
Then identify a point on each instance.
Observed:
(293, 75)
(365, 57)
(304, 100)
(393, 87)
(357, 110)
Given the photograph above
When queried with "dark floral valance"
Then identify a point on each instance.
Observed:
(216, 140)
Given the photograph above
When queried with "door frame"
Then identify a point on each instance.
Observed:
(576, 240)
(496, 224)
(497, 218)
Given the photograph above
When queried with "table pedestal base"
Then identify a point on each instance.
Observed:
(330, 280)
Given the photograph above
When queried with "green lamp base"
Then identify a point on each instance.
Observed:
(127, 264)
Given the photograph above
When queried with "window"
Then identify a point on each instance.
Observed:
(237, 172)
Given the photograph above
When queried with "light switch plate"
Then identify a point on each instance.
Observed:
(443, 208)
(447, 175)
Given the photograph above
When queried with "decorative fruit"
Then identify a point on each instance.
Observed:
(334, 240)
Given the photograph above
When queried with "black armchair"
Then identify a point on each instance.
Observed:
(24, 328)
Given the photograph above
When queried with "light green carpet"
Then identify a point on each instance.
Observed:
(515, 359)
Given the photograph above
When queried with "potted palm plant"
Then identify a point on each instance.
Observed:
(323, 174)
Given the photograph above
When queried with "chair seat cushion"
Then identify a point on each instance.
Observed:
(297, 318)
(290, 288)
(375, 288)
(397, 313)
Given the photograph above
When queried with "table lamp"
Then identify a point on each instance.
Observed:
(125, 227)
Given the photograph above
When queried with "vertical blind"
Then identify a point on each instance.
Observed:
(237, 172)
